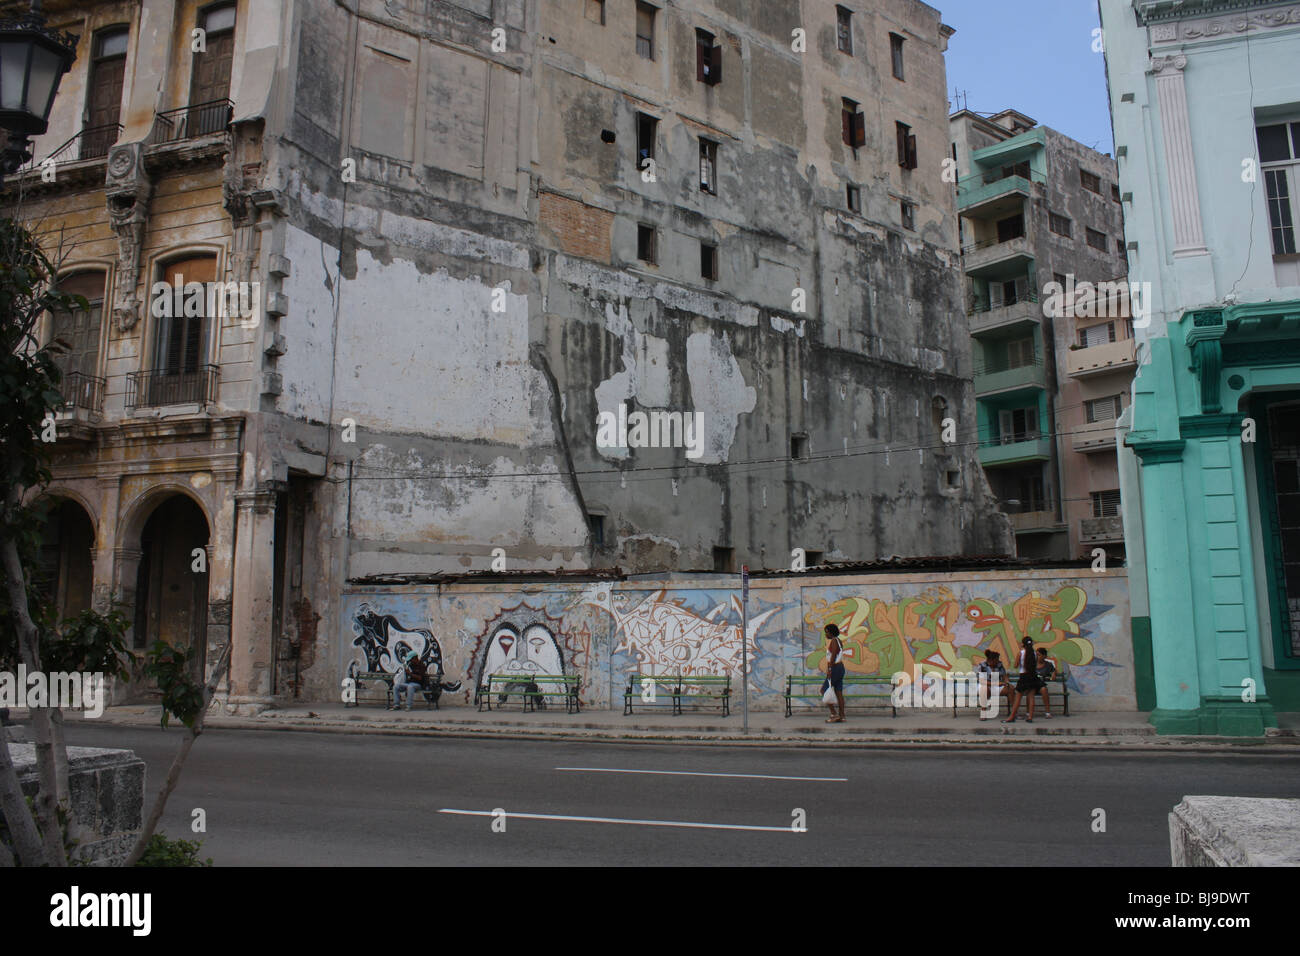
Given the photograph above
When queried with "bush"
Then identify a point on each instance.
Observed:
(164, 852)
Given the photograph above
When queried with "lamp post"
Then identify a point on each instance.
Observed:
(33, 59)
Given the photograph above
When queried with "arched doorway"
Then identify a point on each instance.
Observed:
(66, 569)
(171, 600)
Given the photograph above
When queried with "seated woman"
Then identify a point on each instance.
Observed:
(1046, 668)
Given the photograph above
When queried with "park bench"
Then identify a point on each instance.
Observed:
(1060, 679)
(703, 688)
(650, 691)
(364, 678)
(532, 689)
(809, 687)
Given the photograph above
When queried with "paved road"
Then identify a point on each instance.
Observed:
(322, 799)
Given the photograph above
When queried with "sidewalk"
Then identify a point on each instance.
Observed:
(868, 727)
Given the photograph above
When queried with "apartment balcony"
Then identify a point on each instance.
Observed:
(1094, 437)
(191, 122)
(1015, 450)
(161, 388)
(991, 195)
(1101, 359)
(998, 259)
(992, 379)
(83, 405)
(1036, 522)
(1101, 530)
(1026, 312)
(93, 142)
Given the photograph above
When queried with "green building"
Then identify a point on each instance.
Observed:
(1205, 102)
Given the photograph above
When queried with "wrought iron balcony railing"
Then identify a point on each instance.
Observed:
(187, 387)
(82, 391)
(93, 142)
(191, 122)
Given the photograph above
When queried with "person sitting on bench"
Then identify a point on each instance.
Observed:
(992, 675)
(412, 676)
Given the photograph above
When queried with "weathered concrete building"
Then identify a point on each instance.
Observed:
(477, 232)
(1039, 208)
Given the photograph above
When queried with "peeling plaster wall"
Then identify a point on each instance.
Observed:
(476, 429)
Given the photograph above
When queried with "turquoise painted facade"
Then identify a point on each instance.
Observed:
(1203, 92)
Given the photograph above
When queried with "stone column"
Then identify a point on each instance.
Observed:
(250, 619)
(1180, 162)
(103, 590)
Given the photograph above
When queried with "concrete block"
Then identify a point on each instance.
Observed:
(107, 798)
(1235, 831)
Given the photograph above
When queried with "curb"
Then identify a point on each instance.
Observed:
(1036, 742)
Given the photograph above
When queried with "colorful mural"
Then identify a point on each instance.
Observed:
(605, 632)
(936, 632)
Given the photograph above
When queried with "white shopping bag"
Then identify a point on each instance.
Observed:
(829, 696)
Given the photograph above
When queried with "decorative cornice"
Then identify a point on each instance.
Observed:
(1158, 452)
(1211, 426)
(1190, 21)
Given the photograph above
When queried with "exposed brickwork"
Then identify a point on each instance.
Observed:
(581, 230)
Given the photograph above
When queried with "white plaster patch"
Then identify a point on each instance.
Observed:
(783, 325)
(718, 390)
(644, 374)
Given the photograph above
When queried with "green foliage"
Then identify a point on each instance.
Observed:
(182, 696)
(90, 642)
(164, 852)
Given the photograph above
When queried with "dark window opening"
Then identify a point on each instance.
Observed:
(597, 525)
(724, 559)
(647, 129)
(854, 198)
(1090, 181)
(1013, 227)
(708, 167)
(854, 124)
(813, 559)
(799, 447)
(708, 261)
(1097, 240)
(1060, 225)
(908, 213)
(906, 146)
(645, 244)
(708, 58)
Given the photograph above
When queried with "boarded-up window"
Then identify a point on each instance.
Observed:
(384, 109)
(645, 30)
(853, 123)
(844, 30)
(181, 341)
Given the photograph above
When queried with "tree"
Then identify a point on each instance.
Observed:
(91, 642)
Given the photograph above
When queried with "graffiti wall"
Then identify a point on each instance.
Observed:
(605, 632)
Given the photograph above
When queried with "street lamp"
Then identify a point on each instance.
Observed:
(33, 59)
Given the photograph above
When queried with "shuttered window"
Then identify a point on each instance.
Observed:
(181, 341)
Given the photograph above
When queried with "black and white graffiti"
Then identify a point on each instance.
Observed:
(384, 643)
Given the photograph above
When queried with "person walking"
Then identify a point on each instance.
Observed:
(834, 672)
(1028, 682)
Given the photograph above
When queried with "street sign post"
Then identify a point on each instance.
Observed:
(744, 643)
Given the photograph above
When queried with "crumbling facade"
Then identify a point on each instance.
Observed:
(476, 233)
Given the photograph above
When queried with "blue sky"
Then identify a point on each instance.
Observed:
(1034, 56)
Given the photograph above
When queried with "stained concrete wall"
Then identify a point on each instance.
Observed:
(603, 631)
(391, 322)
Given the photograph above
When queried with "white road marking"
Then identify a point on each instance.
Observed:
(639, 823)
(695, 773)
